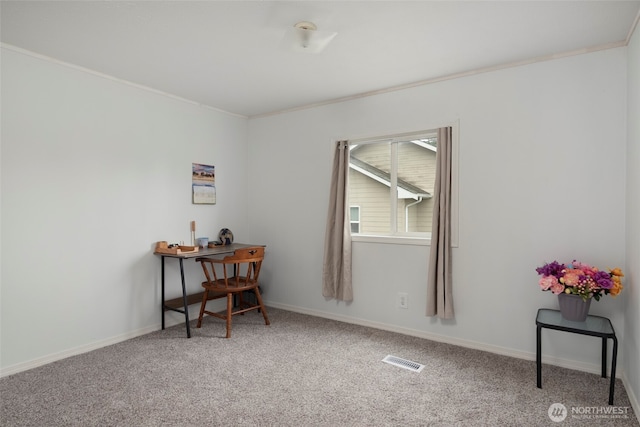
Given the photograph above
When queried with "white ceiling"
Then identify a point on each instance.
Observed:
(228, 54)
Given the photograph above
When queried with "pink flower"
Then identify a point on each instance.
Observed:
(558, 288)
(548, 281)
(572, 277)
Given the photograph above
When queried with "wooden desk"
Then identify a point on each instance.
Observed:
(595, 326)
(181, 304)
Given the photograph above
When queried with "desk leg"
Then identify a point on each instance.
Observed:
(162, 292)
(604, 358)
(613, 369)
(539, 356)
(184, 299)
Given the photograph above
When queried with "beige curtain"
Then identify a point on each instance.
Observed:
(439, 278)
(336, 269)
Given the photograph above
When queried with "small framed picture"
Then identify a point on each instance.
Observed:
(203, 184)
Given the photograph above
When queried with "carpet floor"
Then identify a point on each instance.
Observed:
(301, 371)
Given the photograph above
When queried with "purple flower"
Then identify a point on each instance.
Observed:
(603, 279)
(551, 269)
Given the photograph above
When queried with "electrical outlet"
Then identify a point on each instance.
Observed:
(403, 300)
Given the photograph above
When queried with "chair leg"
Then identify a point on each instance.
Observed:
(229, 313)
(264, 312)
(205, 297)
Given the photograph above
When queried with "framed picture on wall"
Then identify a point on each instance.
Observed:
(203, 184)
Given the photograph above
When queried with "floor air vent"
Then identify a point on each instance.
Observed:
(403, 363)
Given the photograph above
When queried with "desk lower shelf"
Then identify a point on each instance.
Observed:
(178, 303)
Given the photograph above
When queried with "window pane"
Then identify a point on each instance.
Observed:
(416, 178)
(388, 209)
(369, 186)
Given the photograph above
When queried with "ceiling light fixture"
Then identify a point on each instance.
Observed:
(305, 37)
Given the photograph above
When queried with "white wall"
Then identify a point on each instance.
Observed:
(631, 343)
(93, 173)
(542, 175)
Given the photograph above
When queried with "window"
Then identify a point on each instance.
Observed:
(391, 184)
(354, 219)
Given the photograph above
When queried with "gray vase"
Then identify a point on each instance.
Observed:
(573, 307)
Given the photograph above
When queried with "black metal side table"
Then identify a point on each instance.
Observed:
(595, 326)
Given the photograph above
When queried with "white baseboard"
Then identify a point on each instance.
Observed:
(170, 320)
(632, 397)
(563, 363)
(50, 358)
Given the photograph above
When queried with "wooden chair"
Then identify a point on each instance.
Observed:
(233, 275)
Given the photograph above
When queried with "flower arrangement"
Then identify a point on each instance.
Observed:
(581, 279)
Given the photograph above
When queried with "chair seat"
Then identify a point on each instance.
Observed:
(233, 286)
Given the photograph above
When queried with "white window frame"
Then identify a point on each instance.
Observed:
(419, 239)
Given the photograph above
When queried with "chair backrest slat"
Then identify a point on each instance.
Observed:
(248, 259)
